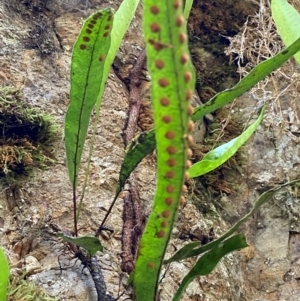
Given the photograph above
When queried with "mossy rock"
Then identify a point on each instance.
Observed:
(27, 137)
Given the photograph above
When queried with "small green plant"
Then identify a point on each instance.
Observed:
(172, 78)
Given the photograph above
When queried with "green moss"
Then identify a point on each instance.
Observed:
(27, 136)
(22, 290)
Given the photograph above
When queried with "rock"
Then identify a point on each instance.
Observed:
(32, 265)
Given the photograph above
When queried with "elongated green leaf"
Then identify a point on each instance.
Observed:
(221, 154)
(190, 250)
(134, 154)
(209, 260)
(121, 23)
(4, 274)
(287, 21)
(172, 87)
(90, 243)
(87, 65)
(137, 153)
(253, 77)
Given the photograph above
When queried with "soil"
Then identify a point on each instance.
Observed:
(36, 39)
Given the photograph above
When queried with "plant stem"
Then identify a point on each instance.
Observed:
(74, 210)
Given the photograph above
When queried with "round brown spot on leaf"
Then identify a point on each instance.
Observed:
(168, 201)
(166, 214)
(187, 76)
(150, 265)
(164, 101)
(164, 224)
(190, 140)
(184, 58)
(167, 119)
(191, 126)
(88, 31)
(171, 162)
(184, 189)
(163, 82)
(188, 163)
(159, 64)
(158, 46)
(190, 110)
(91, 26)
(155, 27)
(161, 233)
(86, 39)
(170, 174)
(179, 21)
(82, 46)
(93, 22)
(189, 95)
(182, 38)
(177, 4)
(106, 34)
(107, 27)
(101, 57)
(170, 189)
(170, 135)
(98, 15)
(171, 150)
(154, 9)
(110, 17)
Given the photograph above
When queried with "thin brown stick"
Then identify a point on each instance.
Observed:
(138, 213)
(133, 216)
(127, 256)
(135, 101)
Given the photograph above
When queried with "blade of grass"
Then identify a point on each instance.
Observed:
(209, 261)
(190, 250)
(222, 153)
